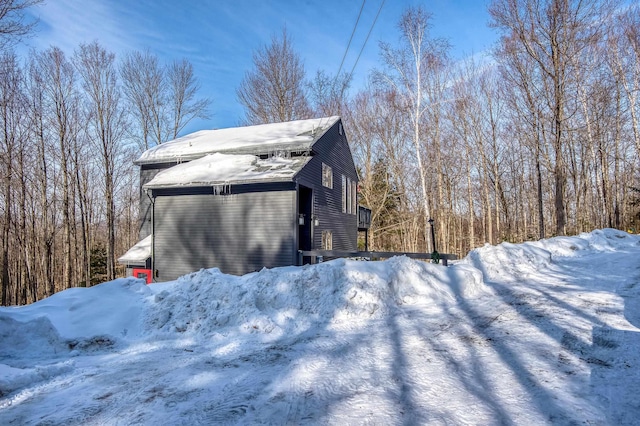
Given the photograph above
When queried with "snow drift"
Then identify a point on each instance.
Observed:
(538, 333)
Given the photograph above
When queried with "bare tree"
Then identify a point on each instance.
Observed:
(163, 99)
(184, 104)
(553, 33)
(13, 25)
(144, 86)
(61, 110)
(624, 61)
(43, 203)
(106, 125)
(413, 71)
(10, 140)
(274, 90)
(328, 95)
(378, 148)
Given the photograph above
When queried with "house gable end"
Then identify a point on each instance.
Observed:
(332, 149)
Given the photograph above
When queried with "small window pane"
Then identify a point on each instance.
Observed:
(327, 240)
(327, 176)
(354, 198)
(348, 195)
(344, 194)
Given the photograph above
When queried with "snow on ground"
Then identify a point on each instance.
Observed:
(537, 333)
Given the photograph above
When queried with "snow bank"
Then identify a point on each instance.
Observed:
(20, 344)
(112, 308)
(273, 302)
(36, 335)
(506, 261)
(515, 262)
(291, 300)
(553, 339)
(276, 301)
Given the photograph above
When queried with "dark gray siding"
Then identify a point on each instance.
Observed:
(332, 149)
(147, 172)
(237, 233)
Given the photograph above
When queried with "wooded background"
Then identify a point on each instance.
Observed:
(540, 138)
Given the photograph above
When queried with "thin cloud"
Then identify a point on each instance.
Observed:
(67, 23)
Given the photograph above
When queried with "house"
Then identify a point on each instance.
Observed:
(245, 198)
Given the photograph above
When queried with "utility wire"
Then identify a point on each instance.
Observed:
(367, 39)
(351, 38)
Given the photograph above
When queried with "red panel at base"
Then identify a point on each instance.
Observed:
(145, 274)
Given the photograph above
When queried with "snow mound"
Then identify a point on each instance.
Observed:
(552, 338)
(601, 240)
(512, 262)
(36, 335)
(291, 300)
(89, 312)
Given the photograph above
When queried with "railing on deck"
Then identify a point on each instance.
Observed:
(317, 256)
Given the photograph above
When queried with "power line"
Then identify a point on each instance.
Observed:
(366, 39)
(351, 38)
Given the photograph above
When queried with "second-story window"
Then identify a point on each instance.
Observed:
(327, 176)
(344, 194)
(354, 197)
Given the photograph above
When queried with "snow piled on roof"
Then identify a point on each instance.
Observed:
(545, 332)
(223, 168)
(138, 254)
(300, 134)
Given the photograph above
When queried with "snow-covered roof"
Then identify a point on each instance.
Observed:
(138, 254)
(216, 169)
(262, 139)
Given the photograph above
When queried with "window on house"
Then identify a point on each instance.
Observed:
(354, 197)
(327, 176)
(344, 194)
(327, 240)
(348, 188)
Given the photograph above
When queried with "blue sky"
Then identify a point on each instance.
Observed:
(219, 37)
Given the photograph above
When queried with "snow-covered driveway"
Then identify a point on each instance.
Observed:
(536, 333)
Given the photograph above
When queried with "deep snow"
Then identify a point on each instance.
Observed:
(537, 333)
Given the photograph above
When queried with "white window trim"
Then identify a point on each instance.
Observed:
(344, 194)
(349, 195)
(354, 198)
(327, 172)
(327, 240)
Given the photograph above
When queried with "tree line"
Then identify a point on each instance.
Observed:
(539, 138)
(71, 125)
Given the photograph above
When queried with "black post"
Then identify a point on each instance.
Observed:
(366, 239)
(435, 256)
